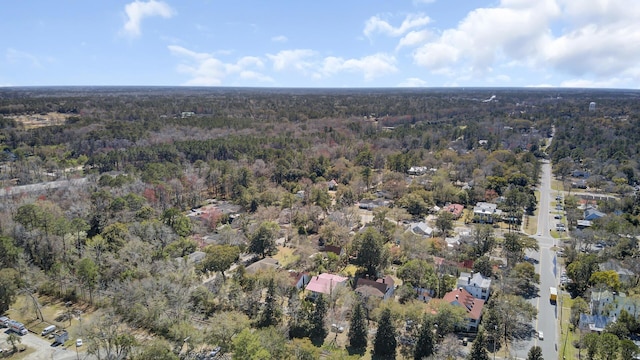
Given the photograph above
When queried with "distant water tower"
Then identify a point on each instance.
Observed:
(592, 106)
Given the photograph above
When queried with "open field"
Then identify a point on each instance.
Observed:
(41, 120)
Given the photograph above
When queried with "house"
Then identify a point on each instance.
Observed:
(382, 288)
(299, 279)
(594, 323)
(325, 283)
(580, 184)
(580, 174)
(592, 214)
(485, 212)
(417, 170)
(262, 265)
(477, 285)
(611, 304)
(624, 274)
(423, 294)
(455, 210)
(452, 242)
(583, 224)
(473, 307)
(332, 185)
(368, 204)
(421, 228)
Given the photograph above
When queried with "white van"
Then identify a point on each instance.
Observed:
(48, 330)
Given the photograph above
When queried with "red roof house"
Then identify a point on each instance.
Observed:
(461, 297)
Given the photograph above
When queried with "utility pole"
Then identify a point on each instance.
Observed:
(495, 327)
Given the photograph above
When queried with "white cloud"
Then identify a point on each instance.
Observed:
(589, 39)
(17, 56)
(413, 82)
(376, 24)
(514, 29)
(206, 70)
(371, 66)
(280, 39)
(298, 59)
(414, 38)
(138, 10)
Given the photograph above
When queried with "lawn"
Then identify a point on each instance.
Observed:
(26, 354)
(565, 345)
(350, 270)
(285, 256)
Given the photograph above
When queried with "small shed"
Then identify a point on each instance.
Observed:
(61, 336)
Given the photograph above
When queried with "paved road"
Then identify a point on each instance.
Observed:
(547, 321)
(13, 190)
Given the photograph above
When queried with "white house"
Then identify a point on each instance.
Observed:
(477, 285)
(485, 212)
(610, 304)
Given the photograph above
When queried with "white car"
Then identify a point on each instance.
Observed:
(78, 342)
(540, 335)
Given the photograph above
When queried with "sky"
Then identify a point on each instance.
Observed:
(321, 43)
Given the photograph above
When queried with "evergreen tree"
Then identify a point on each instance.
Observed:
(535, 353)
(357, 328)
(478, 351)
(263, 240)
(425, 346)
(385, 343)
(270, 315)
(318, 330)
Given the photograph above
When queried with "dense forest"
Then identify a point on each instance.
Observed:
(178, 192)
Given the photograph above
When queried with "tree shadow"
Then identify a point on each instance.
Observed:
(317, 341)
(356, 351)
(383, 357)
(531, 293)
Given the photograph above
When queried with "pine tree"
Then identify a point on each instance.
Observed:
(425, 345)
(357, 328)
(535, 353)
(385, 343)
(318, 330)
(270, 315)
(478, 351)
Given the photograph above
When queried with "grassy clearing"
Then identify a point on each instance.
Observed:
(52, 309)
(286, 257)
(24, 354)
(350, 270)
(565, 344)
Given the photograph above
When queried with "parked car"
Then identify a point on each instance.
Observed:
(78, 342)
(540, 335)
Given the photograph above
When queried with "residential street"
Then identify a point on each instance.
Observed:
(547, 321)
